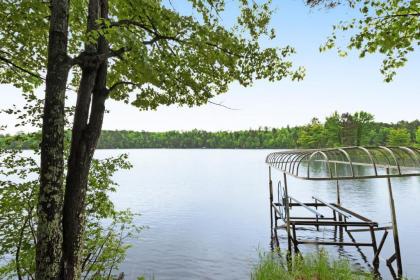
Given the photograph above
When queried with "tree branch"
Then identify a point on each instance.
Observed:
(403, 15)
(11, 63)
(118, 53)
(388, 17)
(127, 22)
(160, 37)
(96, 255)
(221, 105)
(150, 29)
(157, 36)
(86, 59)
(19, 245)
(117, 84)
(224, 50)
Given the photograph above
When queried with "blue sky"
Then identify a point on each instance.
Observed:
(332, 83)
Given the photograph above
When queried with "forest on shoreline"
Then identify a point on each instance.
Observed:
(345, 129)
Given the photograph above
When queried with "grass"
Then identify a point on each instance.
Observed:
(309, 267)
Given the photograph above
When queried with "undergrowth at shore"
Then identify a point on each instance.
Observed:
(309, 267)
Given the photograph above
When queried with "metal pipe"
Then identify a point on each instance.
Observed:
(316, 207)
(381, 244)
(371, 159)
(286, 196)
(394, 227)
(332, 207)
(276, 210)
(300, 161)
(410, 151)
(393, 156)
(349, 161)
(355, 215)
(353, 178)
(373, 237)
(327, 160)
(374, 229)
(306, 207)
(270, 185)
(295, 241)
(356, 244)
(332, 223)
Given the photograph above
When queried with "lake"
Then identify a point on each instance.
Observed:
(207, 213)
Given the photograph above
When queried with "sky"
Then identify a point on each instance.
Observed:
(332, 83)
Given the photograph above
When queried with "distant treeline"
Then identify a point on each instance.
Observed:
(337, 130)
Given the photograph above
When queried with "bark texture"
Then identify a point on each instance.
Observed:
(88, 119)
(50, 201)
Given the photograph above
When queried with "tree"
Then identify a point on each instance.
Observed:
(19, 186)
(105, 243)
(349, 130)
(377, 136)
(363, 121)
(30, 46)
(313, 135)
(398, 137)
(418, 136)
(142, 52)
(333, 130)
(354, 128)
(338, 129)
(390, 28)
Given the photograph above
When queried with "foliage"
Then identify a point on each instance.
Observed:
(333, 130)
(158, 56)
(388, 27)
(107, 229)
(317, 266)
(337, 130)
(105, 246)
(418, 136)
(362, 121)
(23, 41)
(398, 137)
(312, 135)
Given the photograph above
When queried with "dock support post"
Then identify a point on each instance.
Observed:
(286, 198)
(374, 247)
(316, 217)
(394, 227)
(270, 185)
(295, 241)
(340, 217)
(378, 251)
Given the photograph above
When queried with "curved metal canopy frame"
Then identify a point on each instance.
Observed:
(348, 162)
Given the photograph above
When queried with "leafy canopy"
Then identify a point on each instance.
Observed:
(158, 54)
(388, 27)
(418, 136)
(398, 137)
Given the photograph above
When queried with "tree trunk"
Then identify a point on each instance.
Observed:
(85, 134)
(76, 181)
(49, 230)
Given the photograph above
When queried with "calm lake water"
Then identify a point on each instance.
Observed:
(208, 217)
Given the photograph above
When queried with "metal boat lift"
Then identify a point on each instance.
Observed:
(336, 164)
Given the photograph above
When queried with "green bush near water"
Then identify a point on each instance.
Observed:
(308, 267)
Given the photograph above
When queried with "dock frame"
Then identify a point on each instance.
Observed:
(341, 220)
